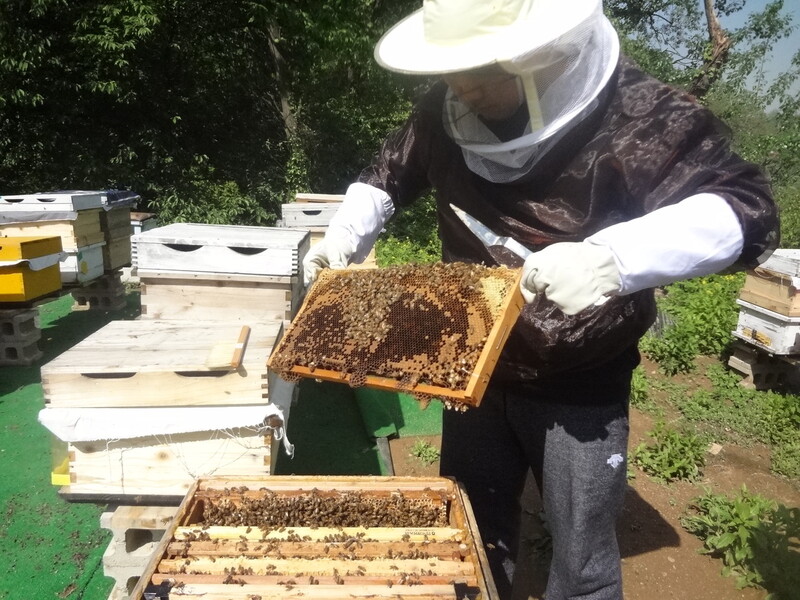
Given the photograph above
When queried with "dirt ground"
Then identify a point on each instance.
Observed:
(660, 559)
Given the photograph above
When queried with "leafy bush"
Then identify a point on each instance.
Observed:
(411, 236)
(674, 351)
(756, 539)
(199, 200)
(703, 312)
(672, 456)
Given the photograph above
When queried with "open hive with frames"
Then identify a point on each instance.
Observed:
(433, 331)
(331, 538)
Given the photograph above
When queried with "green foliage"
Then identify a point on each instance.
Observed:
(704, 312)
(411, 236)
(640, 392)
(756, 539)
(730, 411)
(425, 452)
(674, 351)
(199, 200)
(672, 456)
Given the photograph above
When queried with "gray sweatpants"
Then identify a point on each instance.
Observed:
(578, 455)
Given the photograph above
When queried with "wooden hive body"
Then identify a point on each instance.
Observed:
(331, 538)
(434, 331)
(159, 362)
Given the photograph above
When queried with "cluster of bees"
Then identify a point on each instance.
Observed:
(268, 510)
(415, 324)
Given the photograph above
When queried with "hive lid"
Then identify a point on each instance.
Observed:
(240, 236)
(784, 260)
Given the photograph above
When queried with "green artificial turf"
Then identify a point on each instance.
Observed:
(50, 548)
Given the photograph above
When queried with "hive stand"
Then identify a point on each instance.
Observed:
(104, 293)
(762, 370)
(135, 531)
(19, 336)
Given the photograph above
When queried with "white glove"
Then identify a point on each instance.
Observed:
(573, 275)
(330, 252)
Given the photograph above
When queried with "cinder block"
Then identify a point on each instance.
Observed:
(136, 532)
(19, 325)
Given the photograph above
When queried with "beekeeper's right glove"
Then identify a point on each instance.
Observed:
(352, 231)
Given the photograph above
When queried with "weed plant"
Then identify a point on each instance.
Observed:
(672, 456)
(757, 540)
(425, 452)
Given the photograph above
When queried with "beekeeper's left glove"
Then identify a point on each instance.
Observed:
(573, 275)
(330, 252)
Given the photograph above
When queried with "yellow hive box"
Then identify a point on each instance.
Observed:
(29, 267)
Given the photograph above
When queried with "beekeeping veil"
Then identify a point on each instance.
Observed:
(562, 51)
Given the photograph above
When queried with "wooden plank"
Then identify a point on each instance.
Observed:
(228, 355)
(376, 567)
(446, 549)
(303, 197)
(314, 592)
(341, 483)
(380, 534)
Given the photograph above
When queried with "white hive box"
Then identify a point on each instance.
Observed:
(769, 330)
(161, 363)
(161, 451)
(222, 249)
(70, 200)
(308, 214)
(83, 264)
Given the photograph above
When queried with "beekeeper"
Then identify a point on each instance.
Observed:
(618, 183)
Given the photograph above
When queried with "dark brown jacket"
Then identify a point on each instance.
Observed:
(646, 146)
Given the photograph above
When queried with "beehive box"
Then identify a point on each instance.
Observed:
(83, 264)
(229, 249)
(166, 465)
(29, 267)
(308, 214)
(116, 225)
(218, 296)
(769, 330)
(332, 538)
(775, 285)
(76, 229)
(162, 363)
(53, 201)
(433, 331)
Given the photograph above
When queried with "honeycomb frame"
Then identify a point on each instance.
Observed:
(433, 331)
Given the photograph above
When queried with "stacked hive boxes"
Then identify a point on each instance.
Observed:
(29, 267)
(184, 390)
(769, 314)
(313, 213)
(72, 216)
(28, 271)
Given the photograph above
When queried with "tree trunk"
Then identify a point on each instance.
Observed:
(717, 55)
(289, 121)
